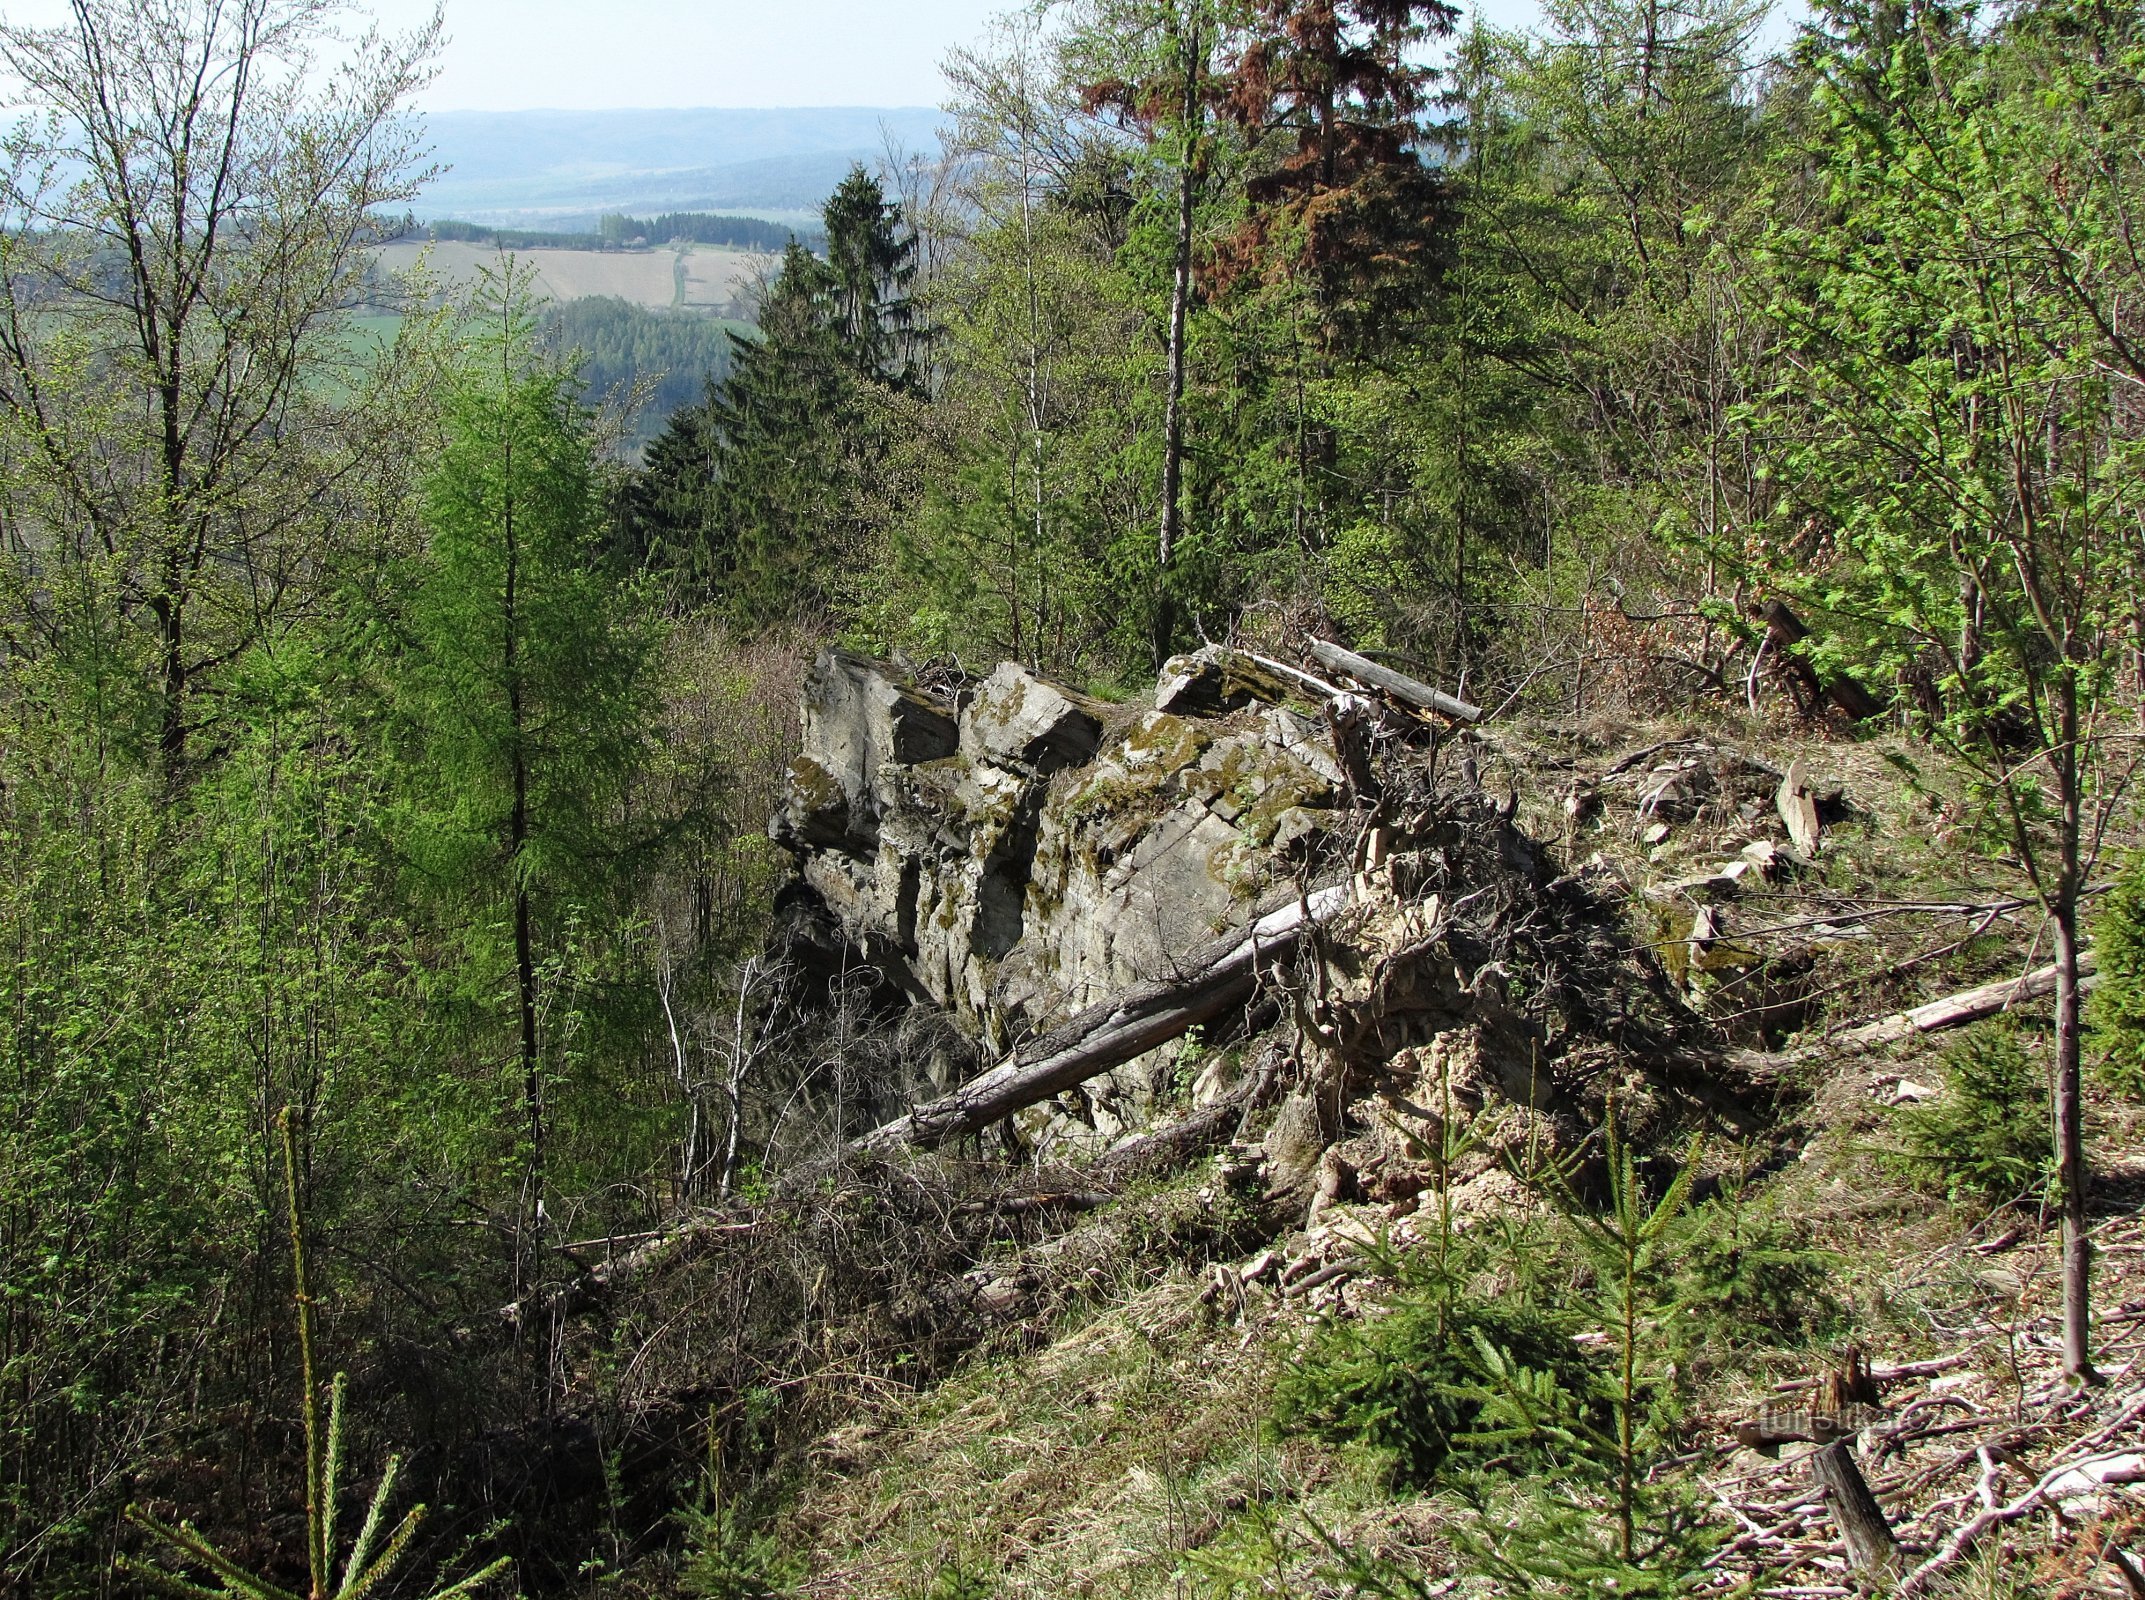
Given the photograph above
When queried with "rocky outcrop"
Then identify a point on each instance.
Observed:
(1013, 850)
(1015, 854)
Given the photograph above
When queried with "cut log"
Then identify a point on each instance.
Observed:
(661, 1250)
(1868, 1537)
(1173, 1146)
(1213, 979)
(1846, 1398)
(1397, 684)
(1952, 1011)
(1956, 1010)
(1310, 684)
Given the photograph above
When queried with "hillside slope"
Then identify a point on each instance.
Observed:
(1225, 1369)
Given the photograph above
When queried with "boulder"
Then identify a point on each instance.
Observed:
(1015, 864)
(1214, 679)
(1019, 719)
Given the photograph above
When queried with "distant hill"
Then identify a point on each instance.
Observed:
(561, 167)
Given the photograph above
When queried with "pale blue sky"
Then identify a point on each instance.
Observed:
(511, 55)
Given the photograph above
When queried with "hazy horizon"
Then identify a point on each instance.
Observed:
(660, 55)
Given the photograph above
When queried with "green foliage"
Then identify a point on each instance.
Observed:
(617, 345)
(730, 1558)
(2118, 1005)
(954, 1579)
(759, 496)
(1541, 1407)
(1986, 1137)
(372, 1558)
(729, 1554)
(525, 662)
(1412, 1384)
(1742, 1276)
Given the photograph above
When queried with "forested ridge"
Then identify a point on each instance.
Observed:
(399, 975)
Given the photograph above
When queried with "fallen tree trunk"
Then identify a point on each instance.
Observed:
(1215, 977)
(620, 1271)
(1221, 975)
(1956, 1010)
(1397, 684)
(1952, 1011)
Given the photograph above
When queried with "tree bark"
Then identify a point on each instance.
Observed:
(532, 1251)
(1844, 1396)
(1785, 630)
(2072, 1174)
(1952, 1011)
(1868, 1537)
(1180, 296)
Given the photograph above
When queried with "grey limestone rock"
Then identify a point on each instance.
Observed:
(1214, 679)
(1016, 864)
(1019, 718)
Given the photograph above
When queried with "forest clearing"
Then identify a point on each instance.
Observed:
(694, 277)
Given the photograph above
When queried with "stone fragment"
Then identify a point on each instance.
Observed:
(1767, 859)
(1719, 883)
(1019, 718)
(1214, 679)
(1797, 803)
(1297, 825)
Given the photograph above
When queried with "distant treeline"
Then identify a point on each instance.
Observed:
(621, 343)
(703, 227)
(618, 231)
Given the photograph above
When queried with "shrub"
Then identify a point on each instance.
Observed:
(953, 1580)
(729, 1557)
(1407, 1384)
(1740, 1276)
(1986, 1137)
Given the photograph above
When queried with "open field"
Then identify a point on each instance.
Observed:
(698, 276)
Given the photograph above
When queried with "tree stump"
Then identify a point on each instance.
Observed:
(1843, 1397)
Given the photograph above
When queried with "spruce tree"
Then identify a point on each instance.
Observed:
(760, 493)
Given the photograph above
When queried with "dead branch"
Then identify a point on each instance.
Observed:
(1397, 684)
(1952, 1011)
(1994, 1515)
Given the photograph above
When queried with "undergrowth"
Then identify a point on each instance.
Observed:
(1536, 1377)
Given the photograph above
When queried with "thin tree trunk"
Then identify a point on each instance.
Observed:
(1036, 441)
(524, 939)
(2071, 1172)
(1180, 295)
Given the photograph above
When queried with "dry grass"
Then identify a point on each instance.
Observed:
(1098, 1466)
